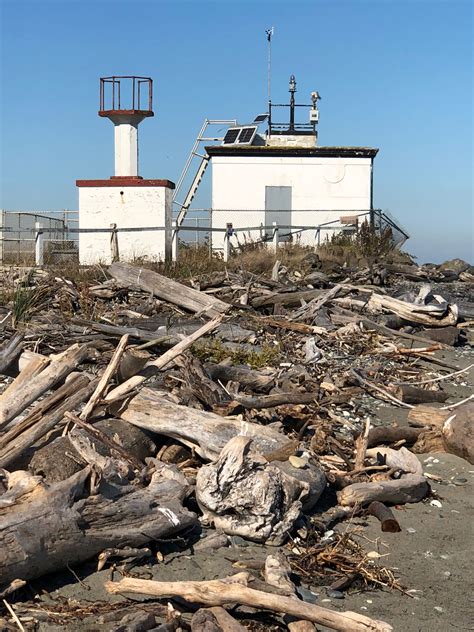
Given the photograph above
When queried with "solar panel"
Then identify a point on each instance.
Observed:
(231, 137)
(260, 118)
(247, 134)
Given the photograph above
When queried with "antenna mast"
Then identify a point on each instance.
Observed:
(269, 33)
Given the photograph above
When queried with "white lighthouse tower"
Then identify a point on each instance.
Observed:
(135, 211)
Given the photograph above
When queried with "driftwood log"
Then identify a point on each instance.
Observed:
(167, 289)
(458, 432)
(408, 489)
(244, 494)
(44, 417)
(234, 590)
(205, 432)
(45, 527)
(434, 315)
(415, 395)
(215, 620)
(247, 378)
(392, 434)
(10, 350)
(13, 404)
(385, 516)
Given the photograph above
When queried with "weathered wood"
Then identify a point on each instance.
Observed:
(44, 423)
(458, 432)
(58, 369)
(132, 362)
(410, 488)
(415, 395)
(133, 332)
(286, 298)
(428, 416)
(243, 494)
(275, 399)
(435, 315)
(215, 620)
(167, 289)
(386, 331)
(231, 590)
(129, 385)
(385, 516)
(392, 434)
(205, 432)
(37, 364)
(98, 434)
(309, 311)
(105, 378)
(361, 447)
(277, 573)
(446, 335)
(247, 378)
(10, 350)
(50, 526)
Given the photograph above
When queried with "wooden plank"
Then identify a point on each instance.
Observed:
(203, 431)
(167, 289)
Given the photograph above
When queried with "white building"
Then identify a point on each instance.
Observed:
(284, 177)
(119, 210)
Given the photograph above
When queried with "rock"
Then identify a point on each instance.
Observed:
(335, 594)
(307, 595)
(455, 265)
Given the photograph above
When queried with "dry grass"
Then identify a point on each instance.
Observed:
(253, 257)
(323, 563)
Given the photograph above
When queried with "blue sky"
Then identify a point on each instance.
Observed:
(393, 74)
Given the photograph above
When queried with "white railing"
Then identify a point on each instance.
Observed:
(41, 234)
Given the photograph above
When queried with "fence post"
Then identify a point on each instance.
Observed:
(226, 247)
(114, 247)
(174, 242)
(275, 237)
(39, 244)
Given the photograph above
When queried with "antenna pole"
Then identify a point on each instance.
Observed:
(269, 33)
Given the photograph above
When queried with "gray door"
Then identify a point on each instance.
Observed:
(278, 209)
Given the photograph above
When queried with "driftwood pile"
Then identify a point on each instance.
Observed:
(140, 409)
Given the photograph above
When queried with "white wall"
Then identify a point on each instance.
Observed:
(334, 184)
(126, 206)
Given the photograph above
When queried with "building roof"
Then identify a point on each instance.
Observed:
(269, 150)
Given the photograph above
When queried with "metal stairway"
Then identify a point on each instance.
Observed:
(181, 208)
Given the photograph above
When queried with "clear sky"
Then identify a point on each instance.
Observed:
(393, 74)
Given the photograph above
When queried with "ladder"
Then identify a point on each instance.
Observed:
(181, 208)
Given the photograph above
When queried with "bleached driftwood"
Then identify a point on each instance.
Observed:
(167, 289)
(15, 403)
(45, 527)
(458, 432)
(44, 417)
(121, 391)
(203, 431)
(277, 573)
(234, 590)
(428, 416)
(401, 459)
(408, 489)
(243, 494)
(436, 315)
